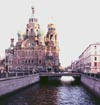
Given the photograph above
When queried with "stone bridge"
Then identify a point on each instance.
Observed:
(59, 74)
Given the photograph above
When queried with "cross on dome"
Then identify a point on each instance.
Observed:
(33, 11)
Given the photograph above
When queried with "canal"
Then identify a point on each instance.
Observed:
(51, 93)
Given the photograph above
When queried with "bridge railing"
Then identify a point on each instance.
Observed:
(2, 75)
(92, 75)
(59, 74)
(16, 74)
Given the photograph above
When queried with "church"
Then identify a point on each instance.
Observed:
(34, 50)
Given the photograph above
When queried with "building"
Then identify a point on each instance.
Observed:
(34, 50)
(75, 66)
(2, 66)
(90, 59)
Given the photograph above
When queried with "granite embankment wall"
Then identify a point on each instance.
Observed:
(8, 85)
(92, 83)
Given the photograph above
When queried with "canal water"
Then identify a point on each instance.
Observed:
(51, 93)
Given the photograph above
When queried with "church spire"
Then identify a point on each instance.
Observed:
(33, 11)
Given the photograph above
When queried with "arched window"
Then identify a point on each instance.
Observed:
(95, 63)
(29, 53)
(51, 37)
(40, 62)
(26, 30)
(32, 61)
(28, 61)
(32, 19)
(32, 53)
(31, 30)
(55, 37)
(95, 58)
(95, 47)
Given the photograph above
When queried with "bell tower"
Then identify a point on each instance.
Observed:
(52, 56)
(51, 37)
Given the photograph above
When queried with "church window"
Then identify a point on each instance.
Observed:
(18, 53)
(18, 61)
(35, 53)
(55, 37)
(32, 19)
(28, 61)
(22, 53)
(22, 62)
(51, 37)
(54, 29)
(31, 30)
(49, 29)
(32, 62)
(40, 62)
(32, 53)
(95, 63)
(27, 30)
(28, 26)
(29, 53)
(95, 47)
(26, 53)
(47, 35)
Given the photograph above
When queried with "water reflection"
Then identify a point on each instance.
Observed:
(52, 93)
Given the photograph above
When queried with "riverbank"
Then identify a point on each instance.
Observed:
(92, 83)
(8, 85)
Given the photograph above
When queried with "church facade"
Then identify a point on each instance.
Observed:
(34, 50)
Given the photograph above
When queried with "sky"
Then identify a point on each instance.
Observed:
(77, 22)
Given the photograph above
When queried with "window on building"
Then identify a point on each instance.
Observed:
(95, 47)
(22, 62)
(32, 19)
(25, 61)
(55, 37)
(51, 37)
(95, 63)
(35, 53)
(27, 31)
(49, 29)
(18, 53)
(32, 53)
(26, 53)
(32, 62)
(29, 62)
(95, 58)
(31, 30)
(22, 53)
(40, 62)
(9, 62)
(29, 53)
